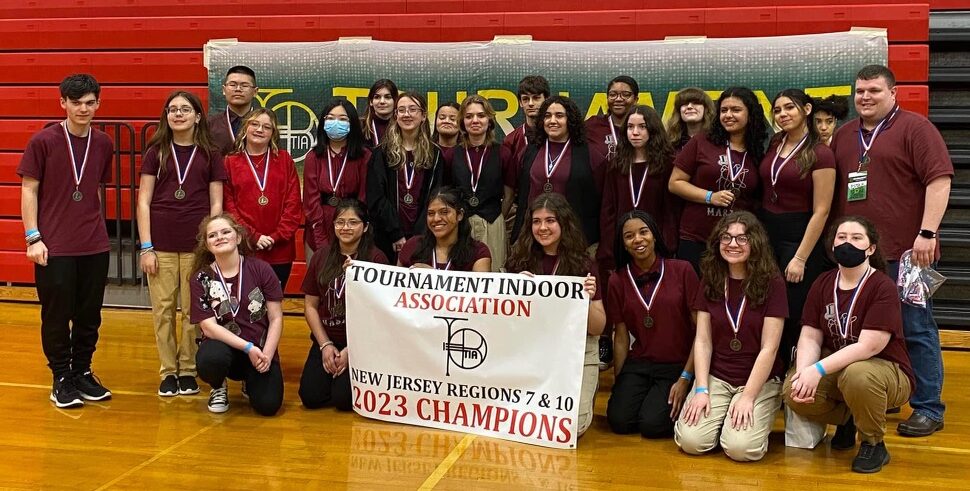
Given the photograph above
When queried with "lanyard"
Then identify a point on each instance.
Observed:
(775, 166)
(252, 167)
(340, 174)
(866, 146)
(238, 303)
(78, 174)
(552, 164)
(647, 304)
(735, 175)
(734, 319)
(637, 196)
(476, 176)
(844, 328)
(434, 261)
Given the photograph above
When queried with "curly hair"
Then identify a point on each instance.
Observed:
(574, 120)
(676, 127)
(755, 132)
(239, 145)
(836, 105)
(619, 247)
(333, 266)
(527, 253)
(660, 154)
(761, 266)
(876, 260)
(368, 118)
(806, 155)
(203, 256)
(463, 251)
(393, 144)
(354, 139)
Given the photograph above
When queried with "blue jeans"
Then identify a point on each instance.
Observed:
(923, 344)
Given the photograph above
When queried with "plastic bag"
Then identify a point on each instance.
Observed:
(801, 432)
(917, 285)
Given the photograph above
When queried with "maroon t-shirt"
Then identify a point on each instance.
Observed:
(655, 199)
(69, 228)
(516, 142)
(906, 156)
(560, 177)
(550, 266)
(259, 286)
(706, 163)
(877, 308)
(175, 222)
(795, 194)
(409, 214)
(731, 366)
(671, 337)
(407, 259)
(599, 134)
(335, 325)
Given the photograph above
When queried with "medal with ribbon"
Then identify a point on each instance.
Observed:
(776, 168)
(182, 175)
(261, 183)
(234, 302)
(334, 200)
(647, 304)
(551, 165)
(476, 175)
(844, 331)
(734, 319)
(78, 173)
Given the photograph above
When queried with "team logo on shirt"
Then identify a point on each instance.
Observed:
(724, 181)
(833, 327)
(610, 146)
(466, 347)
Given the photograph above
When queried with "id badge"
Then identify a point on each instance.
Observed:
(858, 186)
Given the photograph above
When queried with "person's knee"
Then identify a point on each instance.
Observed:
(656, 426)
(311, 398)
(740, 447)
(266, 406)
(692, 441)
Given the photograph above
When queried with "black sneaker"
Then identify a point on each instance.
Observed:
(606, 352)
(64, 393)
(870, 458)
(844, 437)
(91, 388)
(245, 392)
(219, 400)
(187, 385)
(169, 386)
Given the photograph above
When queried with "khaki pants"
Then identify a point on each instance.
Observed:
(169, 287)
(741, 445)
(492, 235)
(591, 380)
(863, 390)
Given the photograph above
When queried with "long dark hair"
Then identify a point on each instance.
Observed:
(462, 252)
(355, 139)
(527, 253)
(806, 155)
(660, 154)
(876, 260)
(621, 255)
(383, 83)
(761, 266)
(203, 257)
(333, 266)
(162, 139)
(574, 121)
(435, 136)
(755, 132)
(676, 127)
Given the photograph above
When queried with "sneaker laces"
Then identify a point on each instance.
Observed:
(91, 377)
(866, 451)
(67, 385)
(219, 396)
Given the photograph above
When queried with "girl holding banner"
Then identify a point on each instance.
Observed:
(637, 180)
(799, 179)
(380, 109)
(650, 298)
(181, 183)
(554, 245)
(237, 301)
(402, 173)
(447, 242)
(336, 169)
(741, 310)
(326, 380)
(263, 191)
(717, 172)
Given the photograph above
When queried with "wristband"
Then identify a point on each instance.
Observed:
(328, 343)
(687, 375)
(146, 245)
(150, 250)
(800, 258)
(820, 368)
(248, 347)
(31, 232)
(927, 234)
(707, 199)
(702, 390)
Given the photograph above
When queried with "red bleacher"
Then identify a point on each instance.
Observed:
(141, 52)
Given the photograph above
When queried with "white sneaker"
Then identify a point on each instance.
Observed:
(219, 400)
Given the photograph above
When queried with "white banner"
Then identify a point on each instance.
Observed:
(492, 354)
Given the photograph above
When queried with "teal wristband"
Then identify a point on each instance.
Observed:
(248, 347)
(702, 390)
(707, 199)
(146, 245)
(31, 232)
(820, 368)
(687, 375)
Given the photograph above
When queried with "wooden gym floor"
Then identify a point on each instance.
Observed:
(141, 441)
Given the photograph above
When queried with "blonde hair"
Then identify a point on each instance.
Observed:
(274, 141)
(393, 143)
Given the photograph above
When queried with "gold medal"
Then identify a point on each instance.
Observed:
(179, 194)
(76, 196)
(263, 200)
(735, 344)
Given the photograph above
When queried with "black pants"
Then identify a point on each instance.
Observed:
(71, 292)
(318, 388)
(639, 399)
(691, 251)
(216, 361)
(282, 273)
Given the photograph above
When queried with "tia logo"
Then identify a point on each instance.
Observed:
(465, 348)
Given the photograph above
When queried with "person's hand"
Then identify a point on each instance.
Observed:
(742, 412)
(795, 272)
(343, 359)
(398, 245)
(678, 392)
(37, 252)
(258, 359)
(330, 354)
(347, 262)
(699, 405)
(589, 284)
(420, 266)
(804, 384)
(149, 263)
(723, 199)
(923, 251)
(264, 242)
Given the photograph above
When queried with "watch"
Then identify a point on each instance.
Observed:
(927, 234)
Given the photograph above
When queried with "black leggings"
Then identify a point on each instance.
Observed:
(639, 399)
(216, 361)
(318, 388)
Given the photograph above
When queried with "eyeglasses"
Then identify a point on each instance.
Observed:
(181, 110)
(619, 95)
(346, 223)
(239, 85)
(727, 238)
(257, 125)
(409, 110)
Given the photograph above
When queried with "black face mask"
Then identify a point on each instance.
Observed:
(848, 255)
